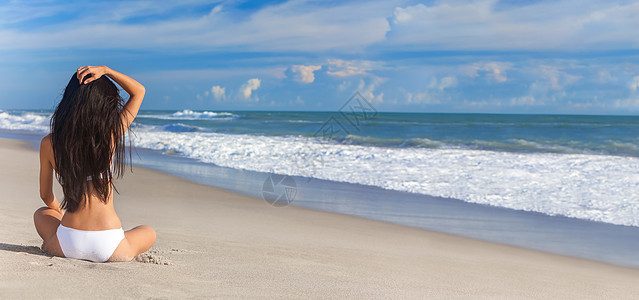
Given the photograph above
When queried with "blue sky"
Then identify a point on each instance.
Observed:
(575, 57)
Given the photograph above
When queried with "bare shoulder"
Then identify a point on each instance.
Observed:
(45, 143)
(46, 148)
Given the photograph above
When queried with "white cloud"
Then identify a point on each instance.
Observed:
(552, 76)
(495, 70)
(605, 77)
(305, 73)
(250, 86)
(315, 26)
(288, 26)
(628, 103)
(447, 82)
(215, 10)
(498, 71)
(634, 85)
(480, 103)
(421, 98)
(344, 68)
(555, 77)
(525, 100)
(404, 15)
(218, 92)
(594, 103)
(434, 91)
(506, 25)
(433, 83)
(368, 90)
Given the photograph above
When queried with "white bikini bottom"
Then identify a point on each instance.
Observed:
(96, 246)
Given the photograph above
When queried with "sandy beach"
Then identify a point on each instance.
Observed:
(214, 243)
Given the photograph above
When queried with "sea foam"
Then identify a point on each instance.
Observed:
(593, 187)
(188, 114)
(25, 121)
(588, 186)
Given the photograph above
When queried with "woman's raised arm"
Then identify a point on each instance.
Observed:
(133, 88)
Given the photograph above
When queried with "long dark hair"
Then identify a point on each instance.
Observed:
(86, 132)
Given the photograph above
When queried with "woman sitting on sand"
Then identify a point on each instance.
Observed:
(85, 148)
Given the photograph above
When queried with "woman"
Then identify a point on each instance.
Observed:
(85, 149)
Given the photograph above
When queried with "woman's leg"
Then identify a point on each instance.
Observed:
(135, 242)
(46, 222)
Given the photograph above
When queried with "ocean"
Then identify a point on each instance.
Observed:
(583, 167)
(565, 184)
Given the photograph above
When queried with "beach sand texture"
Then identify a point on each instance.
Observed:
(214, 243)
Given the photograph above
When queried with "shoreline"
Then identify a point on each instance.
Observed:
(218, 243)
(597, 241)
(573, 237)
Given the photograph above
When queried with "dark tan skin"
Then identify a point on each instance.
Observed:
(95, 214)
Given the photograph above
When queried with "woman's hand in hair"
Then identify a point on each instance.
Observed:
(95, 72)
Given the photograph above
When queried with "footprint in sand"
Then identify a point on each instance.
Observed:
(152, 259)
